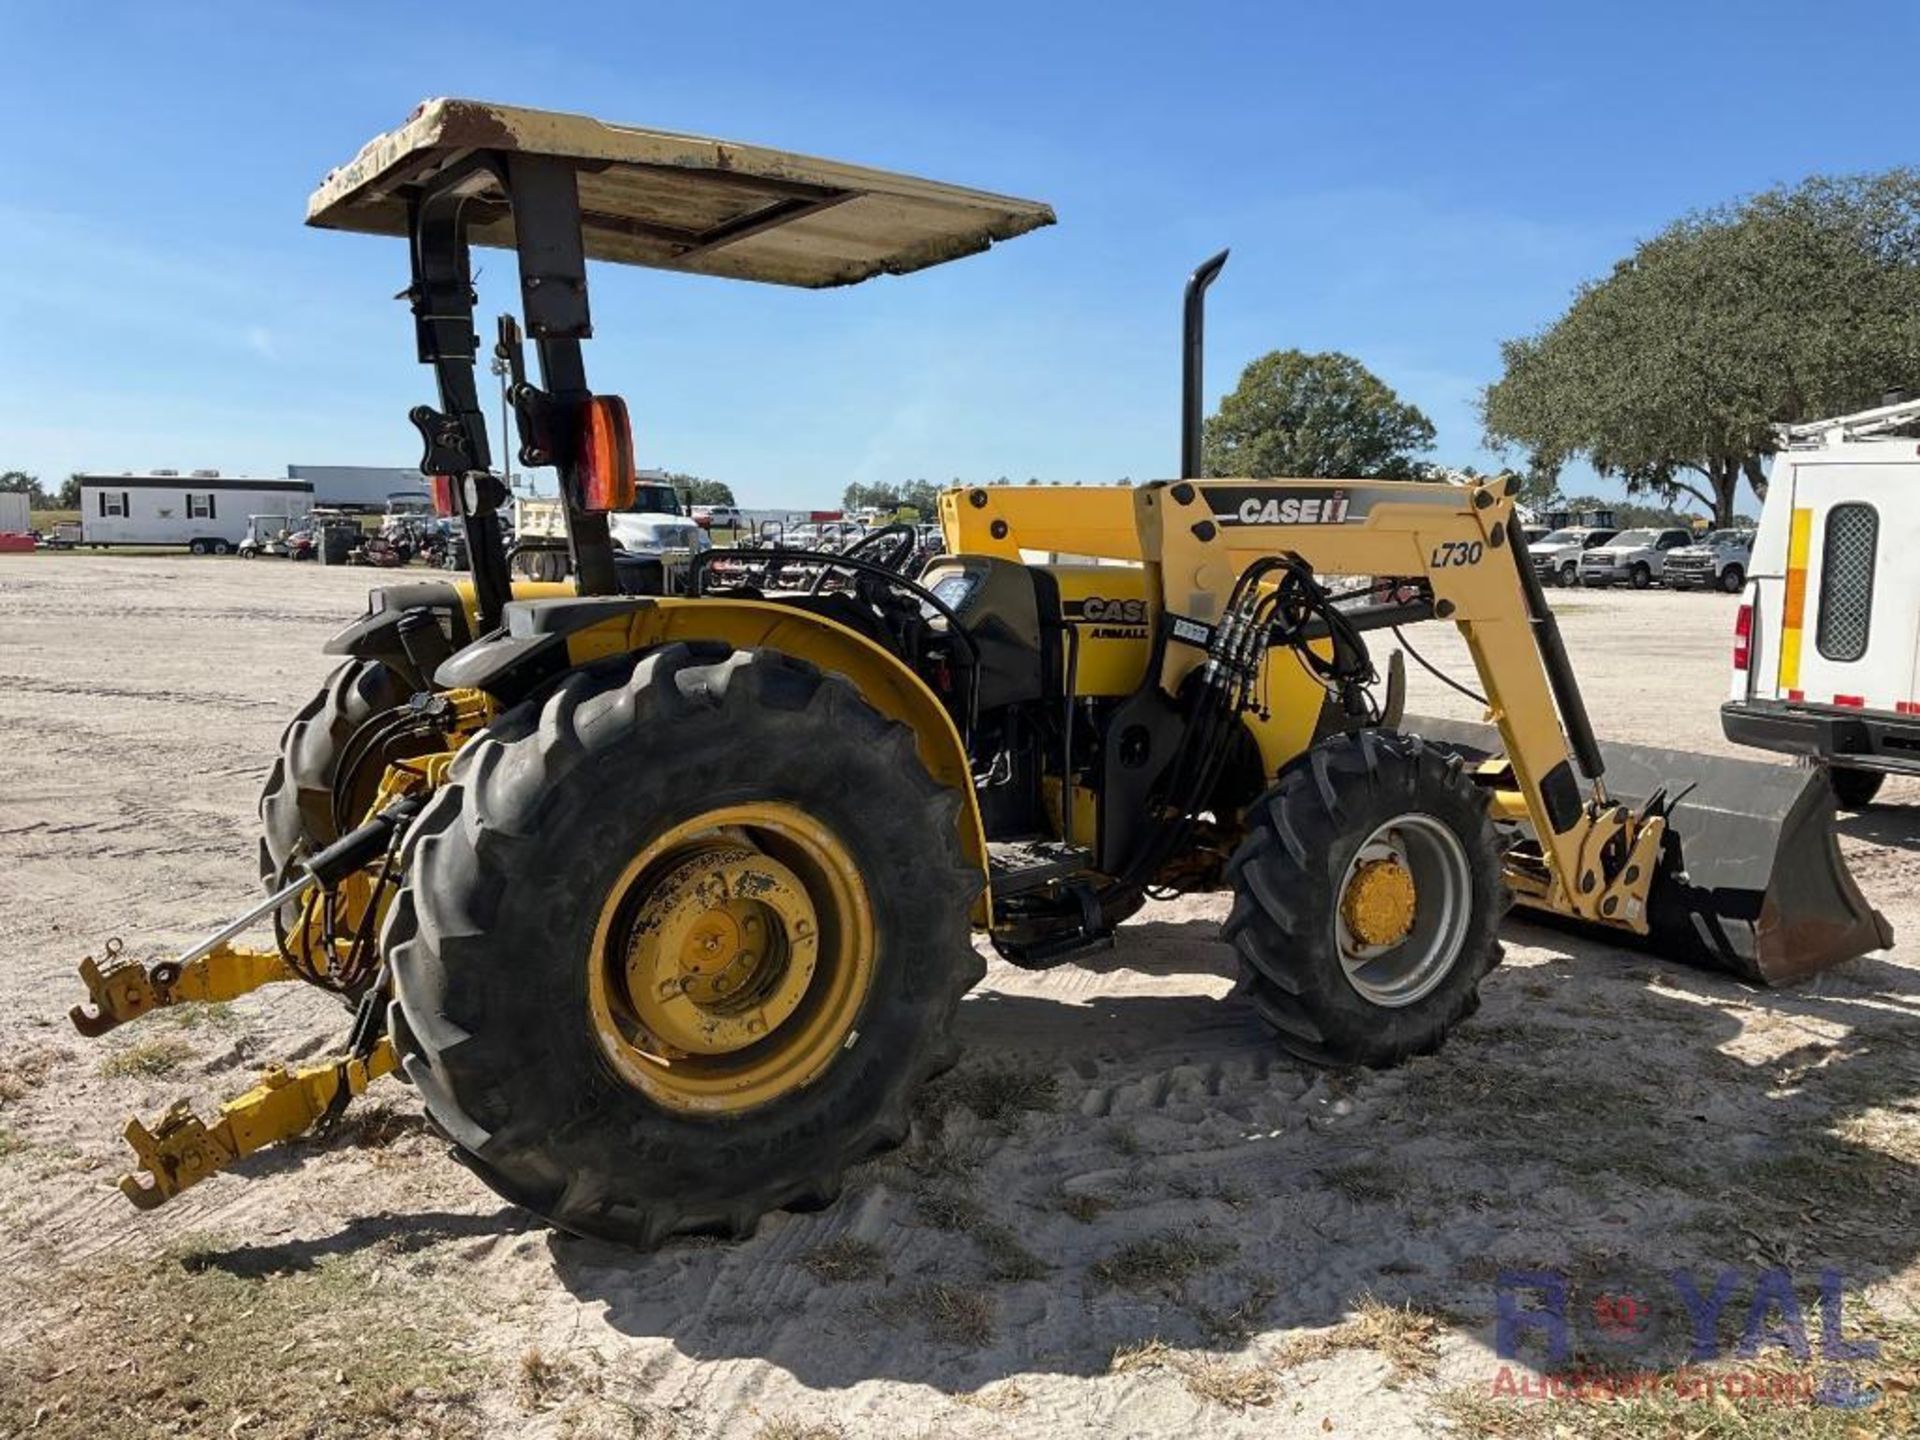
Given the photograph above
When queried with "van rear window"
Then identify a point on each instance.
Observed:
(1846, 581)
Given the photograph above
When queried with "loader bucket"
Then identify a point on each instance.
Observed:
(1751, 880)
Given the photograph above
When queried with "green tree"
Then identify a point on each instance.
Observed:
(862, 497)
(19, 482)
(700, 491)
(1671, 372)
(1298, 414)
(921, 495)
(69, 496)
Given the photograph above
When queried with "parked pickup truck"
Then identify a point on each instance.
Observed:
(1556, 557)
(1719, 560)
(1638, 557)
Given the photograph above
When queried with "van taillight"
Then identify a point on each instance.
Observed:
(1743, 637)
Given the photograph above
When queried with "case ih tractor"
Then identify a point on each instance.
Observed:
(665, 904)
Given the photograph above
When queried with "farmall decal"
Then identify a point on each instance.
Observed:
(1112, 619)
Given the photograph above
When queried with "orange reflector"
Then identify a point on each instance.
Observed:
(606, 455)
(442, 487)
(1794, 610)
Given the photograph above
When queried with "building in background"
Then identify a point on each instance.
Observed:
(373, 489)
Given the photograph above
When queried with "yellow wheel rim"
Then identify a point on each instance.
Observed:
(1380, 903)
(731, 959)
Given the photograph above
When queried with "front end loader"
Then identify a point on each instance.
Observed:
(666, 904)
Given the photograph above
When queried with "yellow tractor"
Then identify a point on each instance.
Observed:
(665, 903)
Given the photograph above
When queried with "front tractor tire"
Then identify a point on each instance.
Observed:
(297, 802)
(1368, 897)
(677, 945)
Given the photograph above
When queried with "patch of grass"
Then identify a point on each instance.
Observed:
(949, 1210)
(1123, 1140)
(182, 1344)
(1084, 1207)
(149, 1059)
(953, 1312)
(1001, 1399)
(1162, 1261)
(1154, 1354)
(1238, 1387)
(1406, 1337)
(1893, 1130)
(10, 1143)
(785, 1427)
(24, 1071)
(1222, 1382)
(1366, 1182)
(542, 1381)
(373, 1125)
(1190, 1186)
(939, 1157)
(1006, 1255)
(1000, 1096)
(844, 1259)
(1237, 1323)
(210, 1015)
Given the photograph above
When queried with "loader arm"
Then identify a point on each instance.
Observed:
(1597, 860)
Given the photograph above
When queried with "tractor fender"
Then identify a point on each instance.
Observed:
(376, 634)
(543, 639)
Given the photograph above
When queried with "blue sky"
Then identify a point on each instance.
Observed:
(1412, 183)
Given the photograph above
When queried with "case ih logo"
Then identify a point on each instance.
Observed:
(1291, 506)
(1113, 612)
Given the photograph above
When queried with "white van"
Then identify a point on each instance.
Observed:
(1826, 654)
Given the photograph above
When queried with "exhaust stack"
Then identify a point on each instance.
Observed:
(1193, 400)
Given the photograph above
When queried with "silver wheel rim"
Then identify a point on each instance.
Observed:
(1407, 970)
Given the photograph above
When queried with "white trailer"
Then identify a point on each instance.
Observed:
(206, 513)
(15, 514)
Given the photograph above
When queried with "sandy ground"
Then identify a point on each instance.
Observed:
(1121, 1159)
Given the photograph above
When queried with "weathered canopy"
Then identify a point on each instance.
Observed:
(680, 202)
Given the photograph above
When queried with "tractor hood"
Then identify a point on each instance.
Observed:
(681, 202)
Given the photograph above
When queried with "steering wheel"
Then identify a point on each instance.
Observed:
(900, 539)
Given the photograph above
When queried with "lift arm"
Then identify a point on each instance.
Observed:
(1596, 858)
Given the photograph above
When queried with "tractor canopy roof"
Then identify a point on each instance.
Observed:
(680, 202)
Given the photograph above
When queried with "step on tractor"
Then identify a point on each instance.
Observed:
(665, 904)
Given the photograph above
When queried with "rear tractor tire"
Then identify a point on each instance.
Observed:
(678, 944)
(1368, 897)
